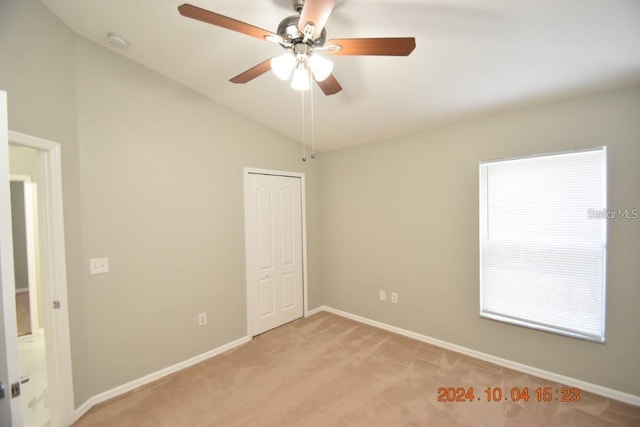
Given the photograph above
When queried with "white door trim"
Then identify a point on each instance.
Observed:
(248, 171)
(54, 275)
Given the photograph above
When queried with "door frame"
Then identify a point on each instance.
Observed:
(255, 171)
(54, 275)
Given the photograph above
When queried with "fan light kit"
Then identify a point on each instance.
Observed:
(302, 65)
(303, 36)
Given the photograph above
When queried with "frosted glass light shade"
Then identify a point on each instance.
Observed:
(320, 66)
(283, 65)
(300, 80)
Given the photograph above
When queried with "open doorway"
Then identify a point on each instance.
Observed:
(32, 350)
(44, 347)
(24, 214)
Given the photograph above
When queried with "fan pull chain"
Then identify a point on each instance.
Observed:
(304, 145)
(313, 139)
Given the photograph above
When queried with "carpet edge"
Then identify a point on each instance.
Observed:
(547, 375)
(131, 385)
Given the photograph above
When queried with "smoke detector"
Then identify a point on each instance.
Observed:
(117, 40)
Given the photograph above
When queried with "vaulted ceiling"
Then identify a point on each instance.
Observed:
(472, 57)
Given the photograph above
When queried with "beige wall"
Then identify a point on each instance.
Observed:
(152, 179)
(402, 215)
(162, 197)
(23, 161)
(37, 72)
(19, 233)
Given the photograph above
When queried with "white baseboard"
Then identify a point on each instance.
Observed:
(315, 310)
(551, 376)
(117, 391)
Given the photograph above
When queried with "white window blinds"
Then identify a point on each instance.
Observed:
(542, 250)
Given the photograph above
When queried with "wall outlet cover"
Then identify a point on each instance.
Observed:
(202, 319)
(98, 265)
(394, 297)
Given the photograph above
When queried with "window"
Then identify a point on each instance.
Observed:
(542, 249)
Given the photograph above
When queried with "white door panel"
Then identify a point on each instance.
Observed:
(266, 298)
(10, 413)
(263, 233)
(274, 250)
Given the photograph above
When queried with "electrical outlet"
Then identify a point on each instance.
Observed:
(383, 295)
(394, 297)
(98, 265)
(202, 319)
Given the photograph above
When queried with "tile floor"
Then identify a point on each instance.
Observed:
(35, 393)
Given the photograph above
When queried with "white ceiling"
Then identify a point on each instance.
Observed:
(471, 57)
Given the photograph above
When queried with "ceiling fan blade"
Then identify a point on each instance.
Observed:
(330, 85)
(316, 12)
(252, 72)
(216, 19)
(393, 46)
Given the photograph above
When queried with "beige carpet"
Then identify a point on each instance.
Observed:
(329, 371)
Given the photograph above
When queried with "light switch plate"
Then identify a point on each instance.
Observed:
(98, 265)
(202, 319)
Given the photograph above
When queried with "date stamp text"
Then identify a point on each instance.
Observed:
(513, 394)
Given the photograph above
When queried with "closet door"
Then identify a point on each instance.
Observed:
(274, 250)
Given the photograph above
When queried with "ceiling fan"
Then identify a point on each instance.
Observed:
(303, 37)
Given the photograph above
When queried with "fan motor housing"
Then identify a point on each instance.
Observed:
(288, 30)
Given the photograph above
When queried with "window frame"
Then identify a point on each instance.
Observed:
(483, 227)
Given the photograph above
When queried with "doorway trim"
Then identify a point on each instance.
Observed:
(54, 275)
(255, 171)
